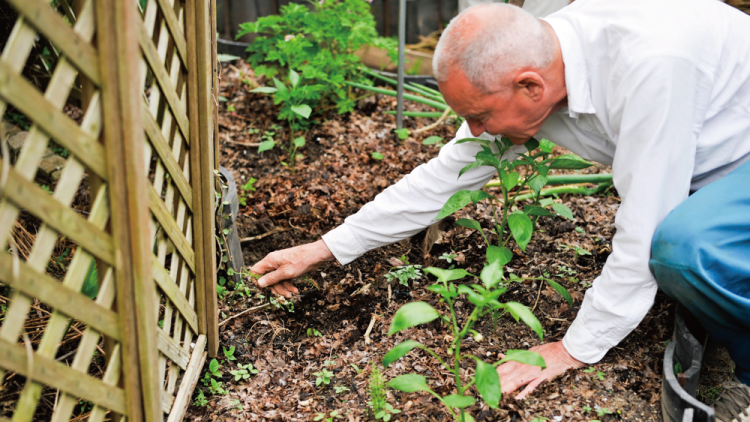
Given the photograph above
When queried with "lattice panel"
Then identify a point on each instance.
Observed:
(165, 74)
(55, 304)
(64, 347)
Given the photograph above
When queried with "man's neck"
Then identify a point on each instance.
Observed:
(555, 72)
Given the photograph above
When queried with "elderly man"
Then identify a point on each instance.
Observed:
(660, 90)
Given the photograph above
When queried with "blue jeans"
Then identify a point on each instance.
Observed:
(700, 256)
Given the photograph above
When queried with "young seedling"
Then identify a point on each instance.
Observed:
(598, 374)
(244, 371)
(229, 353)
(404, 274)
(340, 389)
(312, 332)
(379, 405)
(325, 375)
(200, 400)
(331, 415)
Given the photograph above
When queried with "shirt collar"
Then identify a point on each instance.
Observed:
(576, 73)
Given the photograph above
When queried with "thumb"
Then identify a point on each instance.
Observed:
(274, 277)
(265, 265)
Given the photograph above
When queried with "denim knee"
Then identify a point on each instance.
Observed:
(676, 243)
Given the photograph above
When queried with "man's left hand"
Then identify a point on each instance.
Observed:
(514, 375)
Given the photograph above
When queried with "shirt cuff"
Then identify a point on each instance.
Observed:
(343, 245)
(582, 345)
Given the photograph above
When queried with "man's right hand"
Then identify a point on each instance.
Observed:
(290, 263)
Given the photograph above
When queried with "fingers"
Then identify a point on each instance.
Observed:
(531, 387)
(267, 264)
(285, 289)
(290, 287)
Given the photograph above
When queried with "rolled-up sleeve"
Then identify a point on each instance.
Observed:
(412, 204)
(657, 109)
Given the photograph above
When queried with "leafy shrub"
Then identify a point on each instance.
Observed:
(317, 41)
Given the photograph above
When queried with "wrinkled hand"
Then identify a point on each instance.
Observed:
(290, 263)
(514, 375)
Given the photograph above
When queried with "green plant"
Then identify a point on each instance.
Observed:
(378, 403)
(211, 371)
(340, 389)
(404, 273)
(376, 155)
(539, 419)
(331, 415)
(216, 388)
(434, 140)
(403, 134)
(586, 409)
(603, 411)
(448, 257)
(356, 368)
(200, 400)
(312, 332)
(246, 188)
(598, 374)
(317, 42)
(325, 375)
(295, 109)
(244, 371)
(229, 353)
(577, 251)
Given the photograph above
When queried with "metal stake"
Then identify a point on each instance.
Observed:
(401, 59)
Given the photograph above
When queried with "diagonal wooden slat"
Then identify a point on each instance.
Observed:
(162, 77)
(168, 286)
(170, 227)
(111, 377)
(65, 220)
(17, 90)
(175, 28)
(172, 350)
(59, 375)
(162, 149)
(73, 44)
(189, 379)
(35, 284)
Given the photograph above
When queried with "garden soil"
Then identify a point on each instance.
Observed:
(337, 176)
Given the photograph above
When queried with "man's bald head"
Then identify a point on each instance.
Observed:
(490, 41)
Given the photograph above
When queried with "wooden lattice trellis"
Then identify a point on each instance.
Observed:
(144, 154)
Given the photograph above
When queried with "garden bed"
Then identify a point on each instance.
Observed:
(338, 175)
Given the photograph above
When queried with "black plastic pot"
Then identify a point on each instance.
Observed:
(227, 215)
(678, 402)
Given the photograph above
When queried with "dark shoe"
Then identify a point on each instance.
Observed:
(733, 405)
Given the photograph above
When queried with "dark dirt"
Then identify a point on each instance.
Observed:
(336, 177)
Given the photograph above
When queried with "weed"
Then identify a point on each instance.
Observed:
(577, 251)
(448, 257)
(376, 155)
(356, 368)
(434, 140)
(229, 353)
(331, 415)
(539, 419)
(325, 375)
(244, 371)
(340, 389)
(200, 400)
(312, 332)
(404, 274)
(246, 188)
(379, 405)
(597, 374)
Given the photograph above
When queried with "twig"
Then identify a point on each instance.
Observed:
(437, 123)
(261, 236)
(244, 144)
(541, 284)
(369, 329)
(257, 308)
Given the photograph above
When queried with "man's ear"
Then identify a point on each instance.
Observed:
(531, 84)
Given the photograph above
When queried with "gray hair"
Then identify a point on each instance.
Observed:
(488, 51)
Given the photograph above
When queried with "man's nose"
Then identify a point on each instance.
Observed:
(476, 128)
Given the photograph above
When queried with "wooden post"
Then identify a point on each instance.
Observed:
(205, 149)
(123, 137)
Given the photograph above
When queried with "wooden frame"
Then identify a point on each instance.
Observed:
(146, 158)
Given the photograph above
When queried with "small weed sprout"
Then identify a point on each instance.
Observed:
(597, 374)
(331, 415)
(246, 188)
(448, 257)
(244, 371)
(577, 251)
(200, 400)
(340, 389)
(312, 332)
(404, 274)
(229, 353)
(325, 375)
(379, 405)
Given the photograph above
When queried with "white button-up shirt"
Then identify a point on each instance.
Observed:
(659, 90)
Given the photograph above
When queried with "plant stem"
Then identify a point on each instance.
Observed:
(565, 179)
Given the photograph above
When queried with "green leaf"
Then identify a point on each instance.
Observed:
(569, 162)
(537, 183)
(454, 400)
(412, 314)
(545, 202)
(432, 140)
(227, 58)
(510, 180)
(376, 155)
(560, 289)
(537, 210)
(214, 365)
(521, 228)
(472, 224)
(299, 142)
(524, 356)
(531, 144)
(303, 110)
(546, 146)
(91, 283)
(264, 90)
(402, 133)
(563, 210)
(399, 351)
(445, 276)
(409, 383)
(522, 312)
(461, 199)
(488, 383)
(266, 145)
(502, 254)
(492, 274)
(293, 77)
